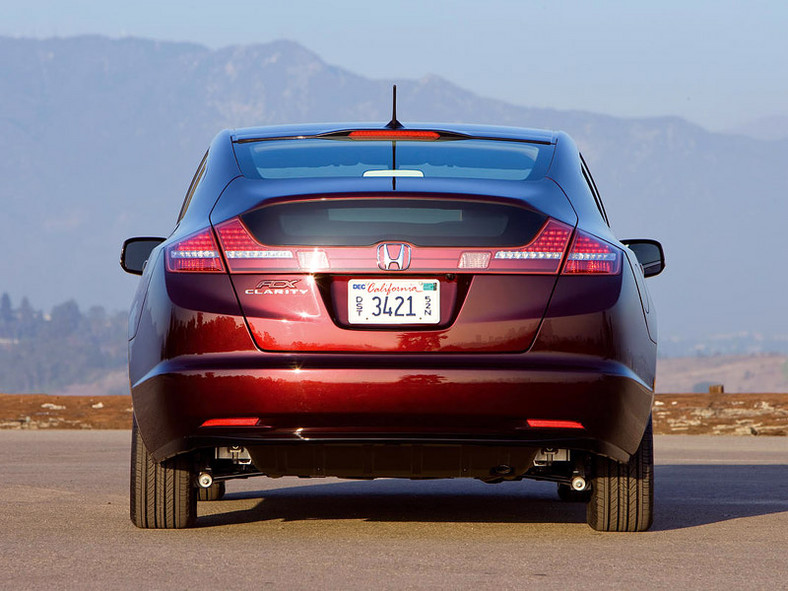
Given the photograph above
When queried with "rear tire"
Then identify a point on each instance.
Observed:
(161, 494)
(215, 492)
(622, 494)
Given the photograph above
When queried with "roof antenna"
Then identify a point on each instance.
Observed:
(394, 124)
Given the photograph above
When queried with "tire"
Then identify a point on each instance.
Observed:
(622, 494)
(568, 494)
(215, 492)
(161, 494)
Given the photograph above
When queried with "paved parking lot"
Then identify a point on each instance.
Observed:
(722, 518)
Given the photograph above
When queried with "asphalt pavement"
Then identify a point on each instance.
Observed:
(721, 523)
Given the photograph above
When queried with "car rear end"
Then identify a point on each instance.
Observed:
(367, 303)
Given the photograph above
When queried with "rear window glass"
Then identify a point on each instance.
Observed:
(337, 158)
(362, 222)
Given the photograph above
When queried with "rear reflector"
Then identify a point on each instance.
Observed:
(393, 134)
(233, 422)
(590, 255)
(197, 254)
(553, 424)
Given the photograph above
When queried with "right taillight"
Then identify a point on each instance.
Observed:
(542, 255)
(591, 256)
(197, 253)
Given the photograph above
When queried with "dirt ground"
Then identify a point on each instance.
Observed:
(40, 411)
(693, 414)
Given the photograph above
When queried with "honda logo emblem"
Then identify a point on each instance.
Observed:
(394, 257)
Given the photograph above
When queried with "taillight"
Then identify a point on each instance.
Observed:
(242, 251)
(197, 253)
(590, 255)
(238, 243)
(542, 255)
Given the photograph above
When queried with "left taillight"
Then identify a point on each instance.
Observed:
(245, 254)
(197, 253)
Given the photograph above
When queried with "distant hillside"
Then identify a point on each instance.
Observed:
(774, 127)
(101, 137)
(737, 373)
(47, 353)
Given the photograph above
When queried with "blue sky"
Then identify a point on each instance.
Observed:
(719, 63)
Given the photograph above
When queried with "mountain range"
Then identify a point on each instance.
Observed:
(100, 138)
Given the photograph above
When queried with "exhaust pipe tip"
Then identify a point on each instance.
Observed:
(502, 470)
(579, 484)
(205, 480)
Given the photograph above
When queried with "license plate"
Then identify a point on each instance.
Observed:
(394, 301)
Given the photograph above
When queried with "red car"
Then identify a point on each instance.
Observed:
(368, 301)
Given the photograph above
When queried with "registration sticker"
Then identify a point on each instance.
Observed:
(394, 301)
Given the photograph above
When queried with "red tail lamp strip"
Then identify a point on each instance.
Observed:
(590, 255)
(393, 134)
(232, 422)
(554, 424)
(197, 253)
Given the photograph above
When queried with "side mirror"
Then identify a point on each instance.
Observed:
(649, 254)
(135, 253)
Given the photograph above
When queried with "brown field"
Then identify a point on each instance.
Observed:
(694, 414)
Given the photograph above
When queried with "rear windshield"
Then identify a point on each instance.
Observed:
(362, 222)
(337, 158)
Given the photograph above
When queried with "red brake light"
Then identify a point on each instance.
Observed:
(393, 134)
(197, 253)
(590, 255)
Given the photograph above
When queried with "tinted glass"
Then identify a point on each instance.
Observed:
(322, 158)
(193, 186)
(424, 222)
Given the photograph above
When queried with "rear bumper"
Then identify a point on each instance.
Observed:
(466, 399)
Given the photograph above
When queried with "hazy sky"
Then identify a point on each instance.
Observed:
(719, 63)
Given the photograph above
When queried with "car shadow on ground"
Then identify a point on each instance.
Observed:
(394, 500)
(689, 495)
(686, 496)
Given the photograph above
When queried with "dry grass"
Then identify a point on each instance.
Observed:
(694, 414)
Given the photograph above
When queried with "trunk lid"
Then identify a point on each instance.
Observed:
(383, 271)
